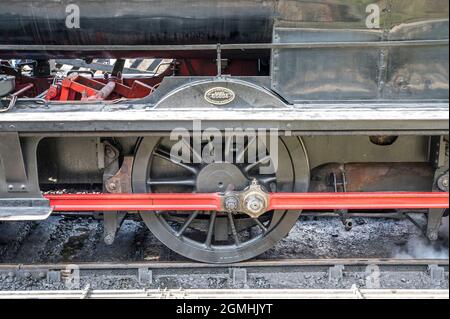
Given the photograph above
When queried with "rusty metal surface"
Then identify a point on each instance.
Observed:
(372, 177)
(121, 182)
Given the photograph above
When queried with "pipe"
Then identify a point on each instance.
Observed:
(102, 94)
(27, 87)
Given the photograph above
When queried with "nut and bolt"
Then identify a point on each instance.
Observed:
(255, 204)
(110, 153)
(443, 183)
(231, 203)
(22, 187)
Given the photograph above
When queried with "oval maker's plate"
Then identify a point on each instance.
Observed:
(219, 96)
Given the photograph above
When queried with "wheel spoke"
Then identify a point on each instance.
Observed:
(212, 222)
(172, 182)
(195, 155)
(187, 223)
(229, 149)
(176, 160)
(267, 179)
(216, 236)
(260, 225)
(265, 159)
(240, 154)
(233, 229)
(168, 154)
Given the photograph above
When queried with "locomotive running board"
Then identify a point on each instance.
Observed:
(276, 201)
(301, 119)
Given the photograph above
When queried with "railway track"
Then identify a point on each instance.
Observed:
(320, 278)
(353, 293)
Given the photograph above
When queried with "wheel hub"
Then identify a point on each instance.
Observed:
(252, 201)
(220, 177)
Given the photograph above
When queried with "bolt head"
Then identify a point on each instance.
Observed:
(110, 152)
(113, 186)
(255, 204)
(231, 203)
(443, 183)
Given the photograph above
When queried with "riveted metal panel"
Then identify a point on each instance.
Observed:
(380, 68)
(422, 72)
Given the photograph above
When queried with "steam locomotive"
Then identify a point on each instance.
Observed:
(257, 111)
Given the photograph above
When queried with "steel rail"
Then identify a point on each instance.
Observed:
(209, 47)
(269, 294)
(170, 265)
(259, 267)
(277, 201)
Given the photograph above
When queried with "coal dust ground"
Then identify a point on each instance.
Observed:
(80, 239)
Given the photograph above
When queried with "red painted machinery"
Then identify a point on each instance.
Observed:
(77, 87)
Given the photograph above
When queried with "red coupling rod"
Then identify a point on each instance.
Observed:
(130, 202)
(277, 201)
(363, 201)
